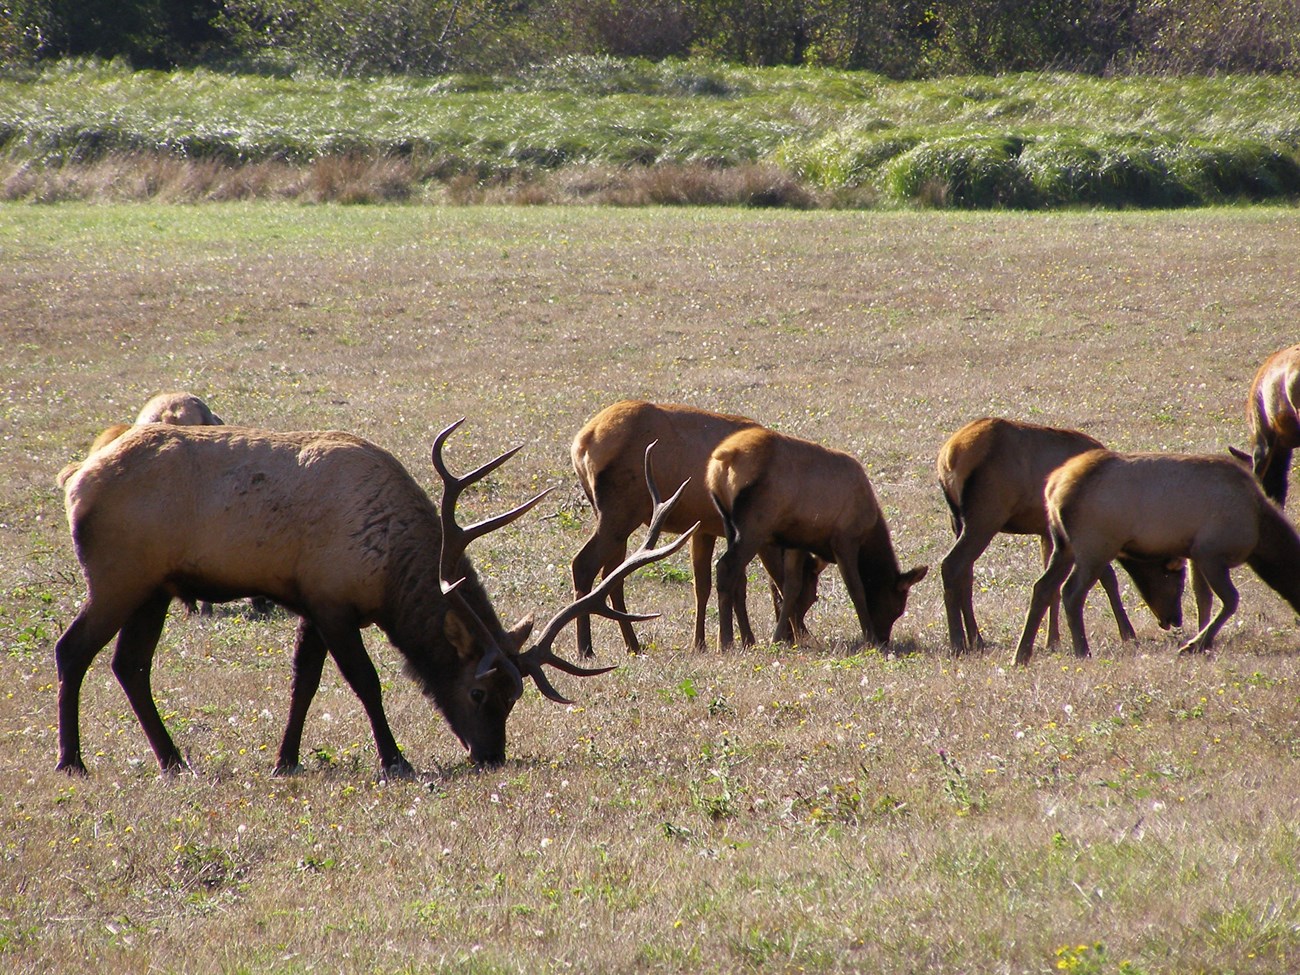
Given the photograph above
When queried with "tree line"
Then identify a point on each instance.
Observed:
(898, 38)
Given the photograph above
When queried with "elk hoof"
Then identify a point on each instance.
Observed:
(398, 769)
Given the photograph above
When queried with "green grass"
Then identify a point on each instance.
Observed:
(759, 811)
(1020, 140)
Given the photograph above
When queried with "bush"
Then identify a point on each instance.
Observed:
(961, 171)
(1215, 36)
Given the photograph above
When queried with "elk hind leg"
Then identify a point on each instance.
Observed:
(133, 665)
(731, 593)
(702, 581)
(1082, 578)
(76, 649)
(1046, 589)
(958, 572)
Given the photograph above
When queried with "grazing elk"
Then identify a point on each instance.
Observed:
(773, 489)
(992, 472)
(331, 527)
(607, 455)
(1208, 510)
(179, 408)
(1271, 413)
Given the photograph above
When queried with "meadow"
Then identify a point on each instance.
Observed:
(620, 131)
(819, 808)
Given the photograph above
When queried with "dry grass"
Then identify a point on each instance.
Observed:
(359, 178)
(769, 811)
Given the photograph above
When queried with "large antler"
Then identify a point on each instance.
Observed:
(535, 657)
(455, 539)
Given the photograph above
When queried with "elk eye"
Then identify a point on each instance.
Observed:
(478, 695)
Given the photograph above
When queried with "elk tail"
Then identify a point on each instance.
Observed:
(730, 530)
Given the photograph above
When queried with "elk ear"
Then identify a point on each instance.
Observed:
(908, 579)
(1242, 456)
(519, 632)
(1175, 565)
(460, 636)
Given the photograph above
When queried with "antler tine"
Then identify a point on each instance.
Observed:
(594, 603)
(456, 538)
(540, 653)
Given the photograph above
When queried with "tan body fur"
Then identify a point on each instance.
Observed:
(992, 472)
(773, 489)
(324, 523)
(608, 456)
(1206, 509)
(180, 409)
(1274, 421)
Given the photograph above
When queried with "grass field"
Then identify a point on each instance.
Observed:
(776, 810)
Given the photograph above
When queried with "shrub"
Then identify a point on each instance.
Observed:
(961, 171)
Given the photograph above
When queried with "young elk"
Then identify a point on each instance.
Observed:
(992, 472)
(607, 457)
(1209, 510)
(773, 489)
(1271, 413)
(329, 526)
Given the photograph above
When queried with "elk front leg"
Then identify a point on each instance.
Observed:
(1111, 585)
(346, 647)
(1213, 574)
(846, 557)
(309, 654)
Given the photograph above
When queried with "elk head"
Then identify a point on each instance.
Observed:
(494, 661)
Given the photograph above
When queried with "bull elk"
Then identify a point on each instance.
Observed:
(607, 457)
(774, 489)
(992, 472)
(331, 527)
(1208, 510)
(1271, 414)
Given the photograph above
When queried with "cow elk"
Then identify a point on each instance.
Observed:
(179, 408)
(773, 489)
(1271, 414)
(992, 472)
(1207, 510)
(331, 527)
(607, 457)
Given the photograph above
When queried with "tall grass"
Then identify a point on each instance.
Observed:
(1021, 140)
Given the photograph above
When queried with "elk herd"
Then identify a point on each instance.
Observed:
(180, 505)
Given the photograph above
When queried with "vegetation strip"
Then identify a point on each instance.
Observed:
(693, 132)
